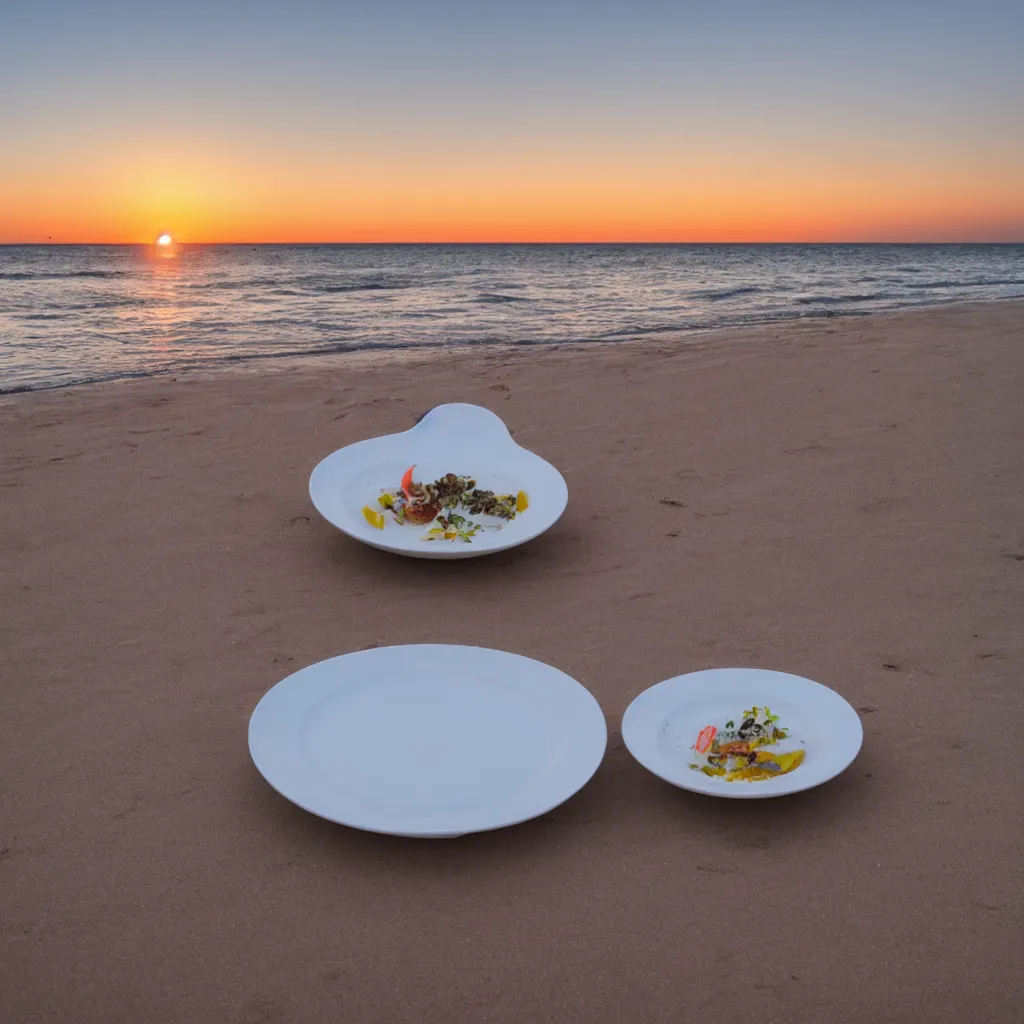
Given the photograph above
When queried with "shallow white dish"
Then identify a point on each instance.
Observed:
(457, 438)
(428, 740)
(661, 725)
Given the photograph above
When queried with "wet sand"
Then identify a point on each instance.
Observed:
(838, 498)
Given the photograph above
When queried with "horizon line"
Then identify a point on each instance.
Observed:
(977, 241)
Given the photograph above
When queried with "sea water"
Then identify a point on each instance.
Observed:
(70, 314)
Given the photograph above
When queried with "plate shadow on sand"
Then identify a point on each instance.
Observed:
(621, 798)
(553, 549)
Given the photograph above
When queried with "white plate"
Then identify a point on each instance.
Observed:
(463, 439)
(428, 740)
(661, 726)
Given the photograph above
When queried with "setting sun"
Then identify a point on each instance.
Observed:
(164, 240)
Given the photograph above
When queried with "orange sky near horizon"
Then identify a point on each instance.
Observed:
(556, 121)
(199, 200)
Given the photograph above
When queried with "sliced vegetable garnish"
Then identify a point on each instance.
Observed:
(452, 527)
(373, 517)
(704, 739)
(407, 481)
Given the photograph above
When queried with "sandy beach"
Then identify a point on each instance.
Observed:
(838, 498)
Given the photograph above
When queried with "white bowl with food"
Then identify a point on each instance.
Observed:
(456, 485)
(742, 733)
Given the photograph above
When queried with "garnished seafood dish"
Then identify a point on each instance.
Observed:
(452, 507)
(740, 753)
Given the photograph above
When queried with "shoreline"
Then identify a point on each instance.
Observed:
(360, 355)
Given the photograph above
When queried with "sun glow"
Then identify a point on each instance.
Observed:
(164, 240)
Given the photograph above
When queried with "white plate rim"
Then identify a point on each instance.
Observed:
(590, 713)
(453, 417)
(637, 736)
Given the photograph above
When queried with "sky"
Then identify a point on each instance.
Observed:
(736, 120)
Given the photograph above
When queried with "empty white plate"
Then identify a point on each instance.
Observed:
(663, 723)
(463, 439)
(428, 740)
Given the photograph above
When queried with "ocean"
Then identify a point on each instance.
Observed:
(76, 314)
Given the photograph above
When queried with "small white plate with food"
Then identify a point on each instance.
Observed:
(742, 733)
(428, 740)
(456, 485)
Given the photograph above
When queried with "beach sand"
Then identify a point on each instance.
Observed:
(845, 503)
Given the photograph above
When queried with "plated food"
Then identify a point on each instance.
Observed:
(445, 506)
(739, 753)
(466, 462)
(794, 733)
